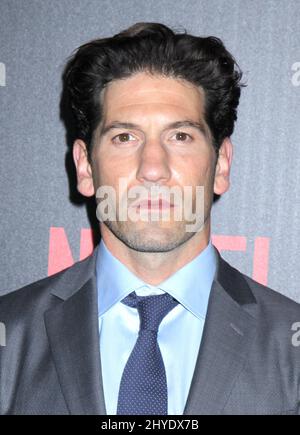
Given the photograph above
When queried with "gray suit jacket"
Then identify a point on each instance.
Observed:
(51, 363)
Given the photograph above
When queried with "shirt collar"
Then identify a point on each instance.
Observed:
(190, 285)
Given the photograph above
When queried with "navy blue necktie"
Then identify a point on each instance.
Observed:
(143, 387)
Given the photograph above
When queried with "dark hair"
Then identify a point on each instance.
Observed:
(153, 47)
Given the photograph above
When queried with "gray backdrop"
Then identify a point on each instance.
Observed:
(256, 223)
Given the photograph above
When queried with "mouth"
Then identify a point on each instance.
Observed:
(149, 204)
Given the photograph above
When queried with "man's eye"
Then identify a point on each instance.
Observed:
(182, 137)
(123, 138)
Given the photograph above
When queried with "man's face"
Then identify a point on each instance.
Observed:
(153, 133)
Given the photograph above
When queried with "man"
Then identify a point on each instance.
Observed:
(154, 321)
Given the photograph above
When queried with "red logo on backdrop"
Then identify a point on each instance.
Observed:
(61, 257)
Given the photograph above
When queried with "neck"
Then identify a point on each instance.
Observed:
(155, 267)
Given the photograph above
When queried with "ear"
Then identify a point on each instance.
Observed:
(222, 173)
(85, 183)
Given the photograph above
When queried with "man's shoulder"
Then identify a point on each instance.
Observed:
(260, 299)
(272, 307)
(39, 295)
(275, 316)
(30, 292)
(267, 296)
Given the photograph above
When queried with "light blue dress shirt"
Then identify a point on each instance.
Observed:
(180, 332)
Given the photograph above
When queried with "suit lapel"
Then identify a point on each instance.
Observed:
(72, 328)
(228, 333)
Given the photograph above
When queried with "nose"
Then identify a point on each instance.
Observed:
(153, 165)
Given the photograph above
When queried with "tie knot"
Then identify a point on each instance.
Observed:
(152, 309)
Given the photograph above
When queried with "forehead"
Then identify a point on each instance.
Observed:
(144, 93)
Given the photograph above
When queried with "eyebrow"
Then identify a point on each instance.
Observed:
(200, 126)
(117, 124)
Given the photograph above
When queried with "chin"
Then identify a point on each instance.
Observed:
(151, 238)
